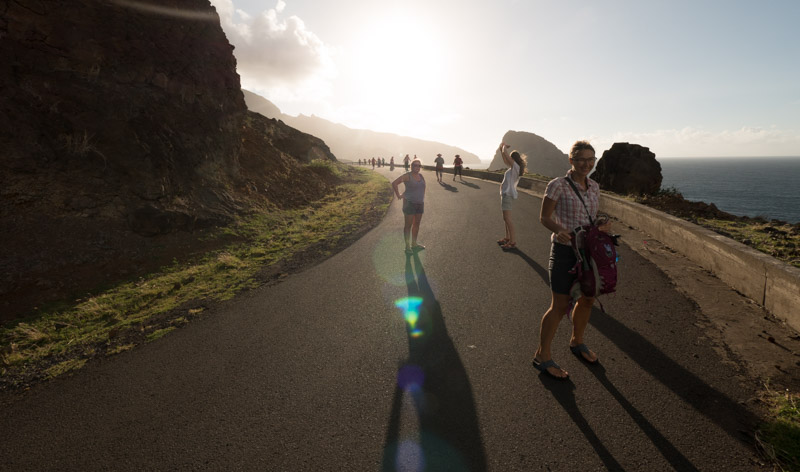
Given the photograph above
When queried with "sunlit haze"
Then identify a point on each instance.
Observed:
(684, 78)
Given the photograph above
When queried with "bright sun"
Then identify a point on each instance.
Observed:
(398, 63)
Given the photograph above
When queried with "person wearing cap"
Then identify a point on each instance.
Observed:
(457, 164)
(439, 167)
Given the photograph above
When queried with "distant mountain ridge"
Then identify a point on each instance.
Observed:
(543, 156)
(350, 144)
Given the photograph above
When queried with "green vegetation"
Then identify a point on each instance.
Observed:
(781, 241)
(779, 436)
(64, 336)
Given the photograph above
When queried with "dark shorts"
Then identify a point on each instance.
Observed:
(562, 260)
(457, 170)
(411, 208)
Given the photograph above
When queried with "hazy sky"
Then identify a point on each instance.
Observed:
(684, 78)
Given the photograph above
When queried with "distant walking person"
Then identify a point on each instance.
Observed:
(457, 165)
(439, 161)
(413, 204)
(373, 163)
(562, 211)
(391, 163)
(405, 162)
(508, 192)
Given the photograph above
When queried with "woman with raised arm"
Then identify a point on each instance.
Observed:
(563, 210)
(508, 192)
(413, 204)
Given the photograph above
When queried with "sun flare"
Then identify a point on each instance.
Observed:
(398, 66)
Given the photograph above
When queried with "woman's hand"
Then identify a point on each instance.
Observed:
(606, 228)
(564, 237)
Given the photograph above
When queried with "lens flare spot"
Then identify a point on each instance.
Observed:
(410, 457)
(410, 377)
(410, 307)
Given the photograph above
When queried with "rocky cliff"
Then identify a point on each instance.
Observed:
(543, 156)
(352, 144)
(123, 131)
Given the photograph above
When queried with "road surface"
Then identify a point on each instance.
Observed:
(375, 361)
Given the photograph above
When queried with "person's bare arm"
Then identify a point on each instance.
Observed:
(396, 183)
(504, 153)
(563, 235)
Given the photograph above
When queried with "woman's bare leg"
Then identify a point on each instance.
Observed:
(548, 328)
(580, 319)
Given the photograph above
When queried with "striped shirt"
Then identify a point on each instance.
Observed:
(569, 212)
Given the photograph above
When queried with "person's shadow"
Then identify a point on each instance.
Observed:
(564, 392)
(677, 460)
(469, 184)
(449, 435)
(448, 187)
(543, 273)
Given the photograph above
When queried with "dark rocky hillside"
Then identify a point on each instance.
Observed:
(123, 134)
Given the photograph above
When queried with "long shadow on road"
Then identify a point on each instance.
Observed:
(564, 393)
(448, 437)
(705, 399)
(543, 273)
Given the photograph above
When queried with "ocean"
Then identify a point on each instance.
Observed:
(743, 186)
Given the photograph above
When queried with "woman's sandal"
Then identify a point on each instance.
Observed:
(509, 246)
(579, 350)
(543, 366)
(502, 241)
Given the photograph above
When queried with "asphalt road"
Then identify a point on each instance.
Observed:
(323, 372)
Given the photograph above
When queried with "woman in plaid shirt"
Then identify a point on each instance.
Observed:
(562, 212)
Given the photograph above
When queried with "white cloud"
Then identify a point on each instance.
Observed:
(277, 55)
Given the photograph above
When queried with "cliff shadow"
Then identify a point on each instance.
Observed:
(448, 436)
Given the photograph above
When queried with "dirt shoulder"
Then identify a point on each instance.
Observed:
(767, 348)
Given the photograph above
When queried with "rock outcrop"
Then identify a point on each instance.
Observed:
(123, 128)
(628, 169)
(543, 156)
(352, 144)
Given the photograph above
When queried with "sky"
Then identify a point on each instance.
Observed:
(697, 78)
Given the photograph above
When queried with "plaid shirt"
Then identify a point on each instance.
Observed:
(569, 212)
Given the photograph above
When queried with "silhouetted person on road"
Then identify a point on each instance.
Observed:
(413, 204)
(439, 161)
(457, 165)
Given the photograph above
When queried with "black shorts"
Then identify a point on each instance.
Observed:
(411, 208)
(562, 260)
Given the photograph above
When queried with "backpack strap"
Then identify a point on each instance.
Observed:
(572, 184)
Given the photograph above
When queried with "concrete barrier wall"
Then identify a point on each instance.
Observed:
(769, 282)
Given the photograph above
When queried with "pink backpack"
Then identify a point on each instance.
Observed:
(596, 264)
(597, 261)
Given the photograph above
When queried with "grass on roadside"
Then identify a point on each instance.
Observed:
(779, 241)
(62, 338)
(779, 437)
